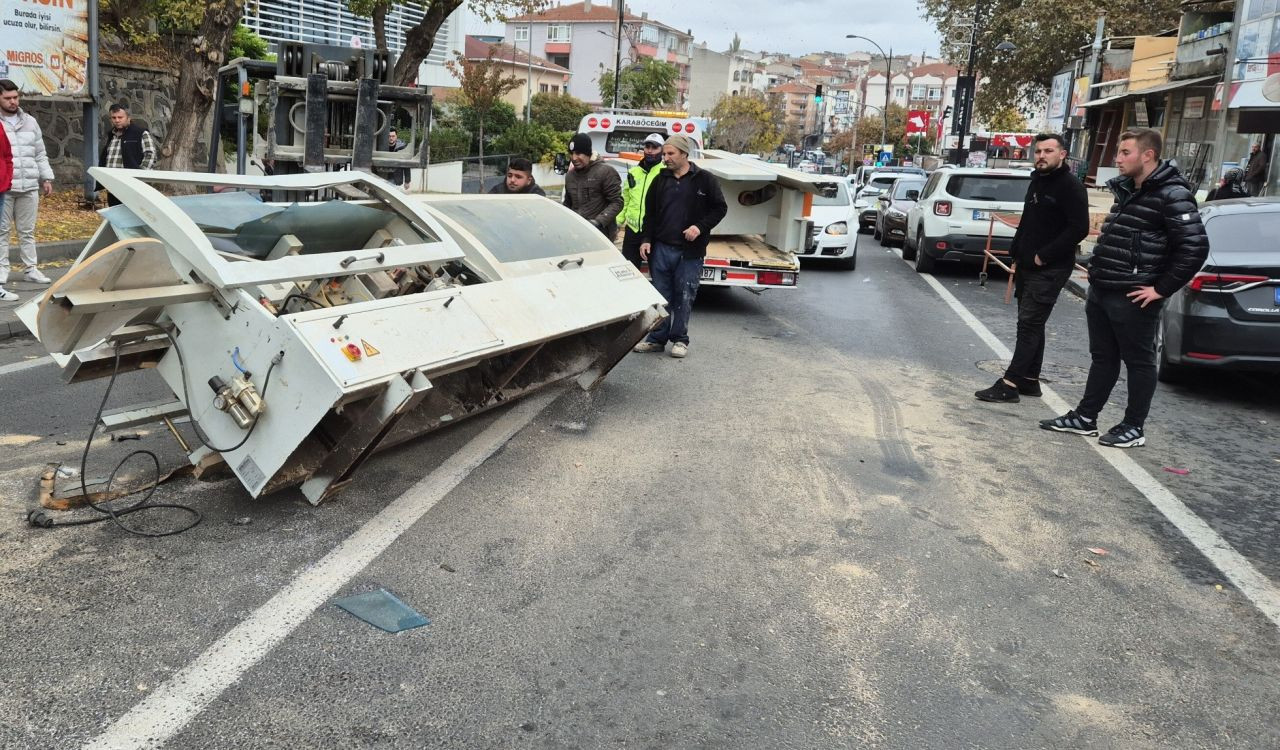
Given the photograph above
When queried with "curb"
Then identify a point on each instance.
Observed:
(1078, 288)
(47, 251)
(14, 330)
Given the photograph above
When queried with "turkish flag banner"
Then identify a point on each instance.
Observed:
(918, 121)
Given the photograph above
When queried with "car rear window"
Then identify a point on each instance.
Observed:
(883, 182)
(988, 188)
(833, 194)
(1243, 233)
(901, 187)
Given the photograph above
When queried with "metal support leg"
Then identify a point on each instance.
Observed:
(360, 442)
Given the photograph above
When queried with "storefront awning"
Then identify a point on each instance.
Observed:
(1249, 95)
(1170, 86)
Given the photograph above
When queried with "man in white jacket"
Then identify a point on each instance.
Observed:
(31, 176)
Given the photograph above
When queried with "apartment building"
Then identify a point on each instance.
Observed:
(582, 37)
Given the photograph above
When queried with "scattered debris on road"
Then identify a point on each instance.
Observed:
(1060, 574)
(1179, 472)
(1100, 552)
(383, 610)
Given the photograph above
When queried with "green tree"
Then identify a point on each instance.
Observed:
(420, 39)
(245, 43)
(870, 124)
(743, 124)
(1007, 120)
(534, 141)
(1046, 33)
(646, 85)
(482, 84)
(448, 144)
(558, 111)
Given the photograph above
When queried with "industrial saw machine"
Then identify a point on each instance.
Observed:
(299, 338)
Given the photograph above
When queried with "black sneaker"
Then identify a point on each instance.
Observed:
(1029, 387)
(1000, 393)
(1123, 436)
(1073, 423)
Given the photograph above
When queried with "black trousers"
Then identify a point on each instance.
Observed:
(1037, 289)
(1120, 331)
(631, 247)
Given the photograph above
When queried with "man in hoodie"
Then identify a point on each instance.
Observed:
(592, 189)
(6, 178)
(683, 205)
(1055, 219)
(1152, 244)
(31, 176)
(519, 179)
(634, 190)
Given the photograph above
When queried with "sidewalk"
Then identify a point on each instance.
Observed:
(54, 257)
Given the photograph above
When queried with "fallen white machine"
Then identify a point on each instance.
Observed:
(300, 336)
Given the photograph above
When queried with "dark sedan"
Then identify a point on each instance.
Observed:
(891, 210)
(1228, 317)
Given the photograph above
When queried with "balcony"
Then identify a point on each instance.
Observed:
(1192, 61)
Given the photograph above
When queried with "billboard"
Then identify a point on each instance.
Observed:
(1059, 98)
(917, 121)
(44, 45)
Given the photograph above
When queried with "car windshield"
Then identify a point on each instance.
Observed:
(1243, 232)
(833, 194)
(882, 183)
(1011, 189)
(901, 187)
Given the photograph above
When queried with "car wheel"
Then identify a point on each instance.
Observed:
(924, 262)
(1166, 371)
(850, 263)
(884, 239)
(908, 249)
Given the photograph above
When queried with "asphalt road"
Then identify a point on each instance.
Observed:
(807, 534)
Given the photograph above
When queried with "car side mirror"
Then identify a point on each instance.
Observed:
(913, 195)
(883, 199)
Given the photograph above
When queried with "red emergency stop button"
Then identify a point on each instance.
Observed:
(353, 352)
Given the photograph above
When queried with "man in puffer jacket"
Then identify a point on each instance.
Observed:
(1152, 244)
(31, 174)
(6, 179)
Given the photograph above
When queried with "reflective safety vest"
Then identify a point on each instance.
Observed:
(634, 189)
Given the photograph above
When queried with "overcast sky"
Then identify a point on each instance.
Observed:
(793, 26)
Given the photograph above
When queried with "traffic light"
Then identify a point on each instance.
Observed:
(817, 95)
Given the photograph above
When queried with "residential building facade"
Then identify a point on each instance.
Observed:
(582, 37)
(798, 106)
(536, 74)
(715, 74)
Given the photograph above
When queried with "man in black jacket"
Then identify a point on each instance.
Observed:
(128, 146)
(519, 179)
(1055, 218)
(683, 205)
(1152, 243)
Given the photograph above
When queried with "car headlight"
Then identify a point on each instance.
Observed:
(860, 204)
(840, 227)
(895, 213)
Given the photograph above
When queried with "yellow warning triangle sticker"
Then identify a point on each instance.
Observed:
(369, 349)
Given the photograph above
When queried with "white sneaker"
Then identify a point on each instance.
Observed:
(645, 347)
(679, 350)
(36, 277)
(8, 296)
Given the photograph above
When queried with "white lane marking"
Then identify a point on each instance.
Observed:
(20, 366)
(164, 713)
(1253, 584)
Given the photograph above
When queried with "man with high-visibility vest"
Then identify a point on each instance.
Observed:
(639, 178)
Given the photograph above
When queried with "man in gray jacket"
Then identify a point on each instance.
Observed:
(593, 189)
(31, 176)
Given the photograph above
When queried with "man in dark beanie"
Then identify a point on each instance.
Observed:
(592, 188)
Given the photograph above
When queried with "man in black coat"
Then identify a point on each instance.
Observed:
(1152, 244)
(1055, 218)
(683, 205)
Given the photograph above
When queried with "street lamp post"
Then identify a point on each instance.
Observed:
(888, 78)
(617, 60)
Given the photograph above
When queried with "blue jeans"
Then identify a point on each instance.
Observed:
(676, 279)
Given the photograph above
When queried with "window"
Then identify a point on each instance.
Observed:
(560, 32)
(522, 34)
(737, 75)
(650, 35)
(733, 93)
(918, 91)
(983, 188)
(901, 187)
(544, 88)
(935, 93)
(561, 60)
(932, 184)
(899, 92)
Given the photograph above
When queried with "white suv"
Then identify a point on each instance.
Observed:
(953, 218)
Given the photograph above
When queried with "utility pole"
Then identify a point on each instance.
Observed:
(528, 81)
(617, 59)
(965, 86)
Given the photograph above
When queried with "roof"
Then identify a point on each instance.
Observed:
(478, 49)
(792, 87)
(577, 12)
(935, 69)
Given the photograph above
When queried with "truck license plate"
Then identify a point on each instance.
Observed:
(981, 215)
(708, 274)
